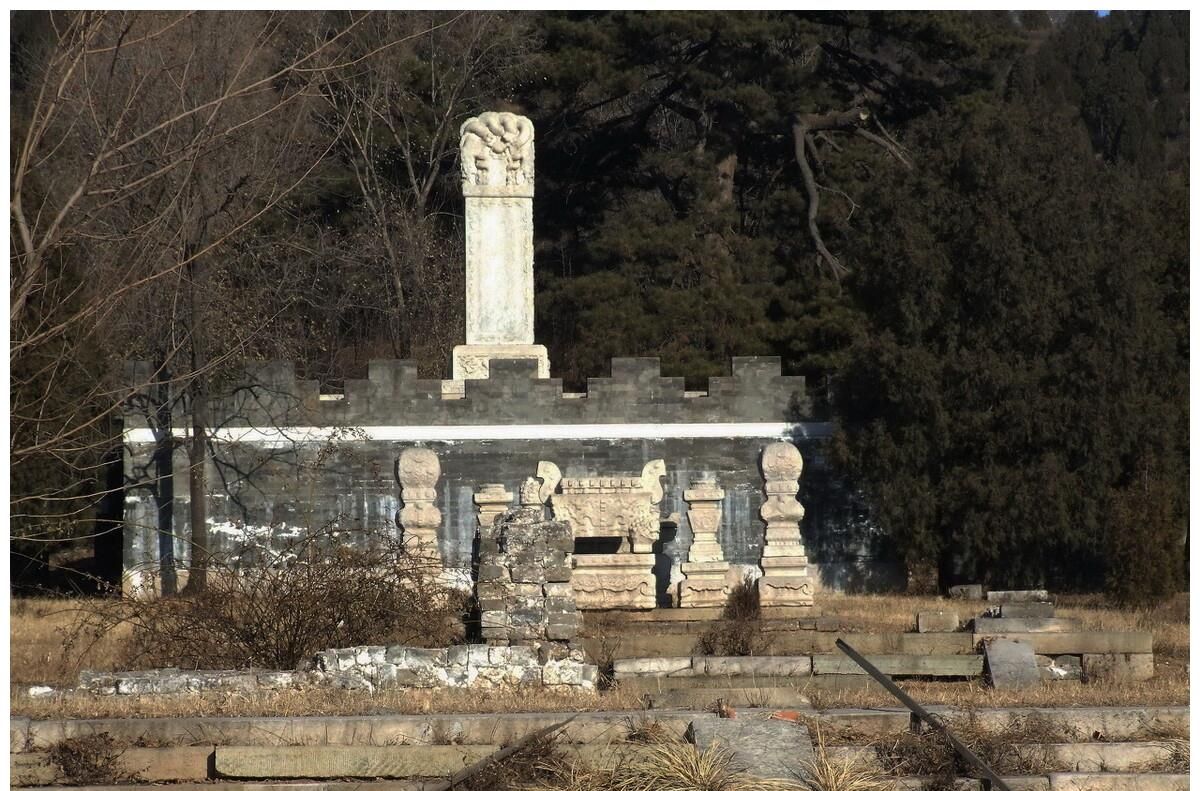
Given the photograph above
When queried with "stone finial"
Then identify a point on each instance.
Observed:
(496, 149)
(651, 473)
(418, 472)
(785, 580)
(550, 475)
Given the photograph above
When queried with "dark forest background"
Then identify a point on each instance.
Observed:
(969, 231)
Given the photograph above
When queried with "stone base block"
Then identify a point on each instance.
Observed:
(471, 361)
(706, 584)
(614, 582)
(785, 583)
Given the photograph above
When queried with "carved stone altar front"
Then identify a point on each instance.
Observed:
(625, 508)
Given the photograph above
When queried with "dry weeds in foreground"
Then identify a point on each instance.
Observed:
(38, 655)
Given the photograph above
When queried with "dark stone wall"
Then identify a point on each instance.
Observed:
(291, 484)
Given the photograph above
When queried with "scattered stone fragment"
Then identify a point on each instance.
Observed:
(1011, 663)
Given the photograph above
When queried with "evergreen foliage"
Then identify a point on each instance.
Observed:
(1007, 354)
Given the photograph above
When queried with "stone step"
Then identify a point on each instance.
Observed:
(682, 666)
(1000, 625)
(630, 646)
(1089, 757)
(651, 684)
(149, 764)
(1018, 596)
(946, 665)
(1084, 642)
(258, 785)
(365, 730)
(1027, 609)
(1117, 781)
(279, 763)
(703, 698)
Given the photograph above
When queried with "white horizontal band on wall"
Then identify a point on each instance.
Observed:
(291, 434)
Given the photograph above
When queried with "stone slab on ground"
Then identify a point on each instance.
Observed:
(1004, 624)
(1013, 596)
(764, 748)
(653, 666)
(702, 699)
(1027, 609)
(1118, 667)
(646, 685)
(278, 763)
(1011, 664)
(955, 665)
(937, 621)
(1117, 781)
(1054, 643)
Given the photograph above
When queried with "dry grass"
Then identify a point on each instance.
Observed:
(824, 773)
(38, 643)
(1017, 749)
(39, 655)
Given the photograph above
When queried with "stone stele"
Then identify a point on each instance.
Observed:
(707, 574)
(496, 156)
(785, 581)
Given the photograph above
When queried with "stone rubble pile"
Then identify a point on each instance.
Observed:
(524, 588)
(373, 667)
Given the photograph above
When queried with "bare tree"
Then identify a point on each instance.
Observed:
(148, 146)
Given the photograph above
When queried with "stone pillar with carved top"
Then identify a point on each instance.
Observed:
(491, 500)
(785, 581)
(418, 472)
(707, 573)
(496, 157)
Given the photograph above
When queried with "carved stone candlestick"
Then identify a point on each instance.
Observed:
(419, 471)
(496, 156)
(706, 570)
(785, 581)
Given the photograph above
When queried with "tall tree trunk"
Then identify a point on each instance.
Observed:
(164, 482)
(197, 445)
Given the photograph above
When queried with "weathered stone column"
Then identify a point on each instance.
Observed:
(785, 581)
(419, 471)
(706, 570)
(492, 500)
(496, 152)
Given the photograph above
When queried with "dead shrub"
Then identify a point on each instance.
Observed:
(1019, 748)
(739, 631)
(280, 599)
(534, 764)
(90, 760)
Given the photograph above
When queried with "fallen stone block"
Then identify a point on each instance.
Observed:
(763, 748)
(1002, 624)
(1118, 667)
(1018, 596)
(969, 592)
(937, 621)
(1011, 664)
